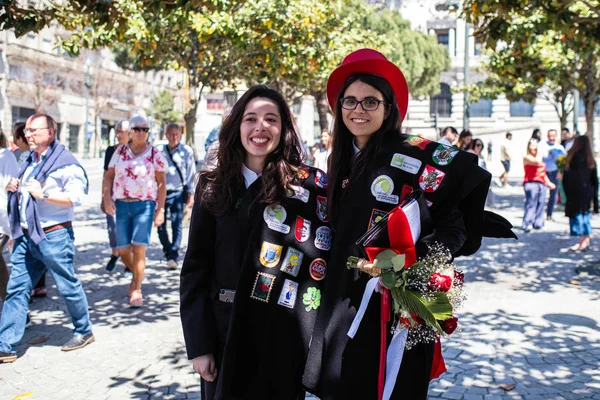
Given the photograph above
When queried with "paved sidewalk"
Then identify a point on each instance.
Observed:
(524, 324)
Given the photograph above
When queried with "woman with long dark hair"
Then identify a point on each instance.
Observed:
(580, 181)
(373, 167)
(256, 258)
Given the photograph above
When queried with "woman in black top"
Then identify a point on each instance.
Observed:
(371, 169)
(580, 181)
(256, 258)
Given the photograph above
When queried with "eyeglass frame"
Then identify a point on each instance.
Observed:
(34, 131)
(370, 98)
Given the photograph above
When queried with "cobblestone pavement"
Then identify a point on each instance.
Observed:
(524, 324)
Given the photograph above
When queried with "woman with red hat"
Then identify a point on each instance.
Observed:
(371, 169)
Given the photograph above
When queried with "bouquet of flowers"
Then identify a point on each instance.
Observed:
(425, 294)
(561, 163)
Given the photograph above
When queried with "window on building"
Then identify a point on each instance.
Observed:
(483, 108)
(521, 108)
(20, 114)
(74, 138)
(443, 38)
(582, 109)
(230, 98)
(215, 104)
(477, 49)
(441, 105)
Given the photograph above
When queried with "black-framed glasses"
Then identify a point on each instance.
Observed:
(140, 129)
(478, 144)
(367, 104)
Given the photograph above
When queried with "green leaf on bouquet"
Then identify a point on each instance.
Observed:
(439, 306)
(388, 278)
(384, 259)
(413, 303)
(398, 262)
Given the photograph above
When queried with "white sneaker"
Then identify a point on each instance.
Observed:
(172, 264)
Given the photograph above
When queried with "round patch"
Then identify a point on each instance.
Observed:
(383, 184)
(321, 179)
(275, 215)
(323, 238)
(318, 269)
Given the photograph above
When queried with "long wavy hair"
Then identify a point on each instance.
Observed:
(581, 145)
(342, 163)
(217, 189)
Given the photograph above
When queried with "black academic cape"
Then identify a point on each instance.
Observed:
(279, 278)
(455, 189)
(581, 187)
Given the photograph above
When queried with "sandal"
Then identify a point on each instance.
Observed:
(136, 300)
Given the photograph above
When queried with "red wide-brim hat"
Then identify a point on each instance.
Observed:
(368, 61)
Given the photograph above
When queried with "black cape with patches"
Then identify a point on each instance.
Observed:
(341, 368)
(267, 342)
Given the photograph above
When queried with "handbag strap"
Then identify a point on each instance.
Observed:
(175, 164)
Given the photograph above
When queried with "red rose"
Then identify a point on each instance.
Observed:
(417, 319)
(459, 276)
(449, 325)
(439, 282)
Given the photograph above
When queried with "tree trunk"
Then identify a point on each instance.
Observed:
(322, 109)
(590, 104)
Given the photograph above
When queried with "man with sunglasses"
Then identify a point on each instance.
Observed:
(40, 210)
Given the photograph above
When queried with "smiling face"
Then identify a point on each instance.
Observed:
(363, 124)
(260, 131)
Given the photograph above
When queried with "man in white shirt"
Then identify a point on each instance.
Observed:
(505, 157)
(323, 152)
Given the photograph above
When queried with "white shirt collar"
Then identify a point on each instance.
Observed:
(354, 147)
(249, 176)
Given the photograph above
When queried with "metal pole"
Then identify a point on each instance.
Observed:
(86, 152)
(575, 110)
(466, 81)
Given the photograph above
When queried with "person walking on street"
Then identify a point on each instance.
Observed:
(40, 210)
(450, 136)
(8, 170)
(581, 187)
(322, 153)
(22, 151)
(505, 157)
(180, 191)
(490, 147)
(464, 140)
(136, 179)
(534, 184)
(550, 152)
(122, 136)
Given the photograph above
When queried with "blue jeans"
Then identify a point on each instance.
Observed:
(174, 211)
(553, 176)
(29, 262)
(535, 199)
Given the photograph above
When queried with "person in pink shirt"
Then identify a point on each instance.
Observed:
(136, 177)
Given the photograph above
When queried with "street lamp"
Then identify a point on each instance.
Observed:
(87, 82)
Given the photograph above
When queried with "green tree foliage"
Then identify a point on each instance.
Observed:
(540, 43)
(162, 110)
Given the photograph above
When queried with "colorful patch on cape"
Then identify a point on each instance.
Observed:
(302, 173)
(275, 215)
(302, 229)
(292, 261)
(444, 155)
(262, 287)
(418, 141)
(406, 163)
(322, 208)
(406, 190)
(321, 179)
(376, 216)
(318, 269)
(431, 178)
(299, 193)
(289, 292)
(312, 299)
(270, 254)
(323, 238)
(382, 188)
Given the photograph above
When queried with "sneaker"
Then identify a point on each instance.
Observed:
(78, 342)
(6, 358)
(112, 263)
(172, 264)
(128, 274)
(526, 229)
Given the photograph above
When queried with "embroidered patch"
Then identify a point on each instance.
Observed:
(323, 238)
(292, 261)
(444, 155)
(262, 287)
(321, 179)
(376, 216)
(302, 173)
(288, 295)
(406, 190)
(275, 215)
(382, 188)
(430, 179)
(318, 269)
(299, 193)
(312, 298)
(418, 141)
(406, 163)
(302, 231)
(322, 208)
(270, 254)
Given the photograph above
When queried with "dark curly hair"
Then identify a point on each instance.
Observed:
(217, 188)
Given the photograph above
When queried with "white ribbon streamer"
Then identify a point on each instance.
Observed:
(395, 352)
(364, 303)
